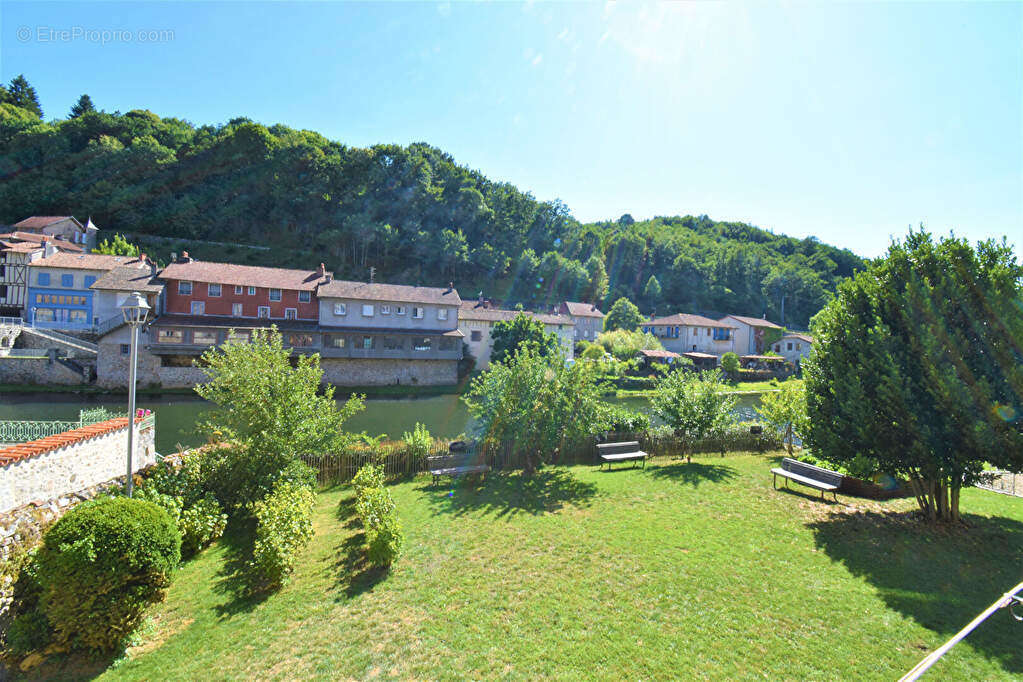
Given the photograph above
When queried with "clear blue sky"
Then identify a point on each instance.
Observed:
(845, 121)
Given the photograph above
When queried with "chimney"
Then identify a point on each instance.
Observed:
(451, 286)
(152, 267)
(185, 257)
(174, 256)
(49, 248)
(323, 270)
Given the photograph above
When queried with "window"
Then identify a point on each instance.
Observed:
(422, 344)
(708, 331)
(777, 347)
(198, 308)
(476, 336)
(89, 280)
(185, 288)
(304, 296)
(367, 310)
(399, 310)
(385, 310)
(340, 309)
(336, 341)
(798, 347)
(67, 280)
(204, 337)
(264, 312)
(447, 343)
(290, 314)
(125, 348)
(300, 340)
(417, 313)
(3, 289)
(275, 294)
(43, 279)
(722, 334)
(367, 343)
(392, 343)
(236, 309)
(238, 290)
(790, 345)
(77, 316)
(237, 337)
(442, 313)
(252, 291)
(213, 289)
(44, 315)
(170, 336)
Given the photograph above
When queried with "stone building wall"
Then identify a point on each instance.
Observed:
(37, 371)
(363, 372)
(74, 460)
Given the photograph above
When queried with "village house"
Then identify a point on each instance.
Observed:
(750, 333)
(60, 294)
(588, 320)
(366, 334)
(793, 347)
(684, 333)
(17, 250)
(61, 228)
(476, 320)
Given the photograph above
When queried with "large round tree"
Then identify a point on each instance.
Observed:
(918, 364)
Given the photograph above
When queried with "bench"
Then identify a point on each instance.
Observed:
(620, 452)
(825, 480)
(455, 464)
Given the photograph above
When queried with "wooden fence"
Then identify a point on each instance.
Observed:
(398, 462)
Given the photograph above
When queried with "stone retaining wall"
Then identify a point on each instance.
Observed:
(37, 371)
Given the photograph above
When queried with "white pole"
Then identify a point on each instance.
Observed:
(131, 401)
(921, 667)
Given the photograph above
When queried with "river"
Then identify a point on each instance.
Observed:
(444, 415)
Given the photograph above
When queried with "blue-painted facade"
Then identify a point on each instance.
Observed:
(60, 300)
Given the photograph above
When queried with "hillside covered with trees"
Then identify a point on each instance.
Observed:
(411, 212)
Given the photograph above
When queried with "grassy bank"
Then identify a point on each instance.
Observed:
(678, 570)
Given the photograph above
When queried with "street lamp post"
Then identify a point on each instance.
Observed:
(135, 311)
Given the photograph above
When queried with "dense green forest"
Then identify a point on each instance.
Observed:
(412, 213)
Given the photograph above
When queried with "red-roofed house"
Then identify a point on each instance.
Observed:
(749, 333)
(686, 333)
(62, 228)
(588, 319)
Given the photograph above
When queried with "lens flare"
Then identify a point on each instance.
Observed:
(1005, 412)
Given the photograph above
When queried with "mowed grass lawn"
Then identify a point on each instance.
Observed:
(695, 570)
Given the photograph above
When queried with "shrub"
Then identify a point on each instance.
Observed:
(418, 442)
(695, 405)
(192, 479)
(101, 565)
(380, 519)
(29, 631)
(369, 476)
(622, 420)
(200, 525)
(299, 473)
(169, 503)
(284, 526)
(730, 364)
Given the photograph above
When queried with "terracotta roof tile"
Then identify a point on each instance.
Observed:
(753, 321)
(399, 293)
(582, 309)
(83, 261)
(38, 222)
(40, 446)
(687, 320)
(243, 275)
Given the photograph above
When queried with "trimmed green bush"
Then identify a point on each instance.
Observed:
(623, 420)
(297, 472)
(200, 525)
(375, 507)
(284, 526)
(101, 565)
(369, 476)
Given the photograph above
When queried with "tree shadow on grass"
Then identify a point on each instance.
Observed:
(693, 473)
(507, 494)
(237, 542)
(355, 573)
(941, 578)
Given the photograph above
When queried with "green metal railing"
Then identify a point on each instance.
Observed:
(23, 431)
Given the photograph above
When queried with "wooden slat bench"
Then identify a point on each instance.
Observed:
(825, 480)
(620, 452)
(455, 464)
